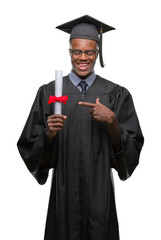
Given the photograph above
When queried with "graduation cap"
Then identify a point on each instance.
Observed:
(87, 27)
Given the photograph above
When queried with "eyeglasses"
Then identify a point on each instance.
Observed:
(78, 52)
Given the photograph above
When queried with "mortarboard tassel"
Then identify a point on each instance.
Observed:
(100, 48)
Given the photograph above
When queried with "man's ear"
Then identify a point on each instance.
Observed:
(97, 54)
(70, 43)
(69, 52)
(70, 46)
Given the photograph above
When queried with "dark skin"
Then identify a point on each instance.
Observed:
(88, 61)
(98, 111)
(55, 123)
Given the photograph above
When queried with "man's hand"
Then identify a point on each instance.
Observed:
(100, 112)
(55, 123)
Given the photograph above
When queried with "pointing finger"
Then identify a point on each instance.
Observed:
(87, 104)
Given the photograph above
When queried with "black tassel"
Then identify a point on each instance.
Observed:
(100, 49)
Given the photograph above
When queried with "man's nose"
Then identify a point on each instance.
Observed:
(83, 56)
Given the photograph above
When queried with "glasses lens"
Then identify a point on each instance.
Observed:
(90, 52)
(76, 52)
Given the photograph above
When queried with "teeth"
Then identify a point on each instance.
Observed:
(83, 64)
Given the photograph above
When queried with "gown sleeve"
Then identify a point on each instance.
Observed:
(32, 142)
(130, 133)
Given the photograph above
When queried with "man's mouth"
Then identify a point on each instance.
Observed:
(83, 66)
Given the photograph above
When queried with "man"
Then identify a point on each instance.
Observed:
(98, 130)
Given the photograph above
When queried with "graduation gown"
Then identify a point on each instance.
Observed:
(81, 204)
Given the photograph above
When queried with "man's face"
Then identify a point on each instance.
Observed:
(83, 65)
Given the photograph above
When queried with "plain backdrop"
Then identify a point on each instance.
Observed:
(31, 49)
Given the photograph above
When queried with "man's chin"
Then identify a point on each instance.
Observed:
(82, 74)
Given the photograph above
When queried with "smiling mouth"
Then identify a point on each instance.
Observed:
(83, 66)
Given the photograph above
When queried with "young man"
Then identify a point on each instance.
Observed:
(98, 130)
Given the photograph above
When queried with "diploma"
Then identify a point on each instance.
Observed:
(58, 90)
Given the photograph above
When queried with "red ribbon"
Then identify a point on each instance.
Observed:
(62, 99)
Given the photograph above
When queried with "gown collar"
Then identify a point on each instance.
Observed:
(76, 80)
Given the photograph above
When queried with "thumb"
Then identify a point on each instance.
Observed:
(97, 101)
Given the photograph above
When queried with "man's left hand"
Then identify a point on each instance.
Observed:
(100, 112)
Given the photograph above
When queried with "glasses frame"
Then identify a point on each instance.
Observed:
(94, 52)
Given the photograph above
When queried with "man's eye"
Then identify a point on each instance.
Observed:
(90, 52)
(76, 52)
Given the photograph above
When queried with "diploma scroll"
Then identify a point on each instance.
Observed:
(58, 90)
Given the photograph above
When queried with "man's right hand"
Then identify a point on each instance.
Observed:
(55, 123)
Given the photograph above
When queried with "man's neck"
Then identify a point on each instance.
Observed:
(76, 80)
(83, 77)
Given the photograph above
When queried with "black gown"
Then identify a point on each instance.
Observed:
(81, 205)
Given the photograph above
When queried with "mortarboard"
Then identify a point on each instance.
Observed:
(87, 27)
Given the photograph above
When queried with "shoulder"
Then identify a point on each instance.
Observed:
(113, 89)
(47, 88)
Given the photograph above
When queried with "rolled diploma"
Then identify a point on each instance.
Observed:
(58, 89)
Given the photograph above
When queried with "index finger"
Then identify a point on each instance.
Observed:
(87, 104)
